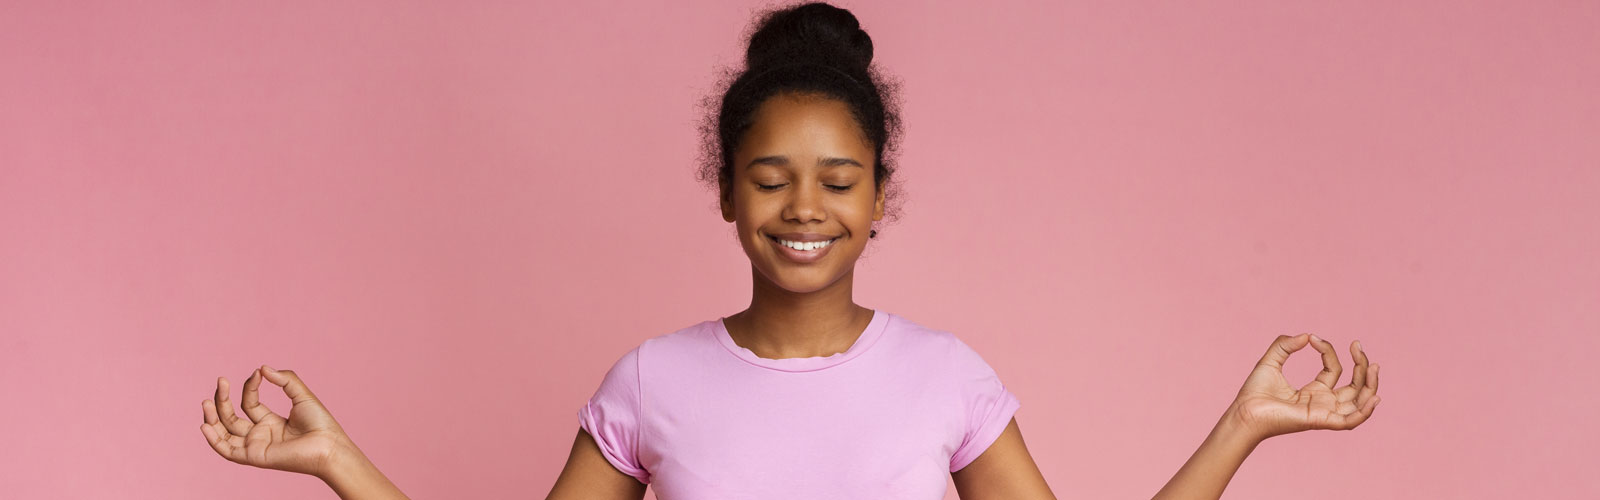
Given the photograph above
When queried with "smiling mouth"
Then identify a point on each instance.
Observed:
(804, 246)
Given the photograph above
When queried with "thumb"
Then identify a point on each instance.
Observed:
(291, 384)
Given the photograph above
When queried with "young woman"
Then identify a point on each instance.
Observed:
(804, 394)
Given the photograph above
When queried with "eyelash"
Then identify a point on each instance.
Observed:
(765, 187)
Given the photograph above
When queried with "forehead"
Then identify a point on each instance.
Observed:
(802, 124)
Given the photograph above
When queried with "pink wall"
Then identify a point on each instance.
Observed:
(451, 220)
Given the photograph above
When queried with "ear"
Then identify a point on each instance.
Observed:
(727, 204)
(877, 205)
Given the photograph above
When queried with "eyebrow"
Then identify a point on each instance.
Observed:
(783, 161)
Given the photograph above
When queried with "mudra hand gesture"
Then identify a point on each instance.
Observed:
(305, 442)
(1267, 406)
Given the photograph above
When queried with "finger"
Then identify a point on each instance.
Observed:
(1331, 369)
(235, 425)
(1358, 374)
(1372, 379)
(1282, 348)
(291, 384)
(206, 407)
(1346, 422)
(1371, 389)
(251, 400)
(210, 408)
(225, 444)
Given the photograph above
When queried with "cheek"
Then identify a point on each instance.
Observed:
(859, 208)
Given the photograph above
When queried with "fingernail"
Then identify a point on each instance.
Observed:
(1314, 337)
(1358, 345)
(268, 368)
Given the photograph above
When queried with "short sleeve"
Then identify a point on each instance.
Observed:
(988, 405)
(613, 416)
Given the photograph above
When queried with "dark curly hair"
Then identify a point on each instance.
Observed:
(809, 49)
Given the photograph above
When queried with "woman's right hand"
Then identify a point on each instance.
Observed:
(308, 442)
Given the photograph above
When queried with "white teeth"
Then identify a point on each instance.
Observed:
(805, 246)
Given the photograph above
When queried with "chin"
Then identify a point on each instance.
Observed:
(806, 286)
(797, 280)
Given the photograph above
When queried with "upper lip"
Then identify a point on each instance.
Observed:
(802, 237)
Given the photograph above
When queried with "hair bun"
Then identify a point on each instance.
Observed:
(810, 33)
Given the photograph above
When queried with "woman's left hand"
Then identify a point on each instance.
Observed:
(1267, 406)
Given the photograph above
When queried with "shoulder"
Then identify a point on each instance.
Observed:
(943, 347)
(666, 350)
(647, 359)
(697, 332)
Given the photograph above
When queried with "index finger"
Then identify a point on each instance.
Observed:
(1281, 349)
(291, 384)
(1358, 374)
(251, 400)
(1331, 367)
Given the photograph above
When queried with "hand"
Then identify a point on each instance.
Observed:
(306, 442)
(1267, 406)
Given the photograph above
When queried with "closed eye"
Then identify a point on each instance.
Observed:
(767, 187)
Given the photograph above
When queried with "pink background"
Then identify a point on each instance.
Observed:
(451, 220)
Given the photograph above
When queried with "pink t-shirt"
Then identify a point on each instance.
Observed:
(699, 418)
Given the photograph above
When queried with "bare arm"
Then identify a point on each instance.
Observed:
(1212, 466)
(352, 476)
(356, 478)
(588, 476)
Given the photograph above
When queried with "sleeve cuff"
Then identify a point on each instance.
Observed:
(586, 421)
(993, 424)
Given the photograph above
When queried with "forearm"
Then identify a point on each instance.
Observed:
(1208, 471)
(354, 477)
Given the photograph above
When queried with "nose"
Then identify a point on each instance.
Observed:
(805, 204)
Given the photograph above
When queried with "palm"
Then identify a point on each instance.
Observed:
(302, 443)
(1269, 406)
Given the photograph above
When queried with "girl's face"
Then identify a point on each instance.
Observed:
(803, 174)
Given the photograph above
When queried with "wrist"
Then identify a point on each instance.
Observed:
(344, 463)
(1231, 428)
(352, 476)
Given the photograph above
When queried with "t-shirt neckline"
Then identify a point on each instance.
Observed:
(868, 337)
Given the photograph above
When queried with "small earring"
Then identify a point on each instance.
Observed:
(872, 233)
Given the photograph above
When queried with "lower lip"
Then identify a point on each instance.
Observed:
(803, 256)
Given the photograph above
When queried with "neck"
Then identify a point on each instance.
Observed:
(783, 324)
